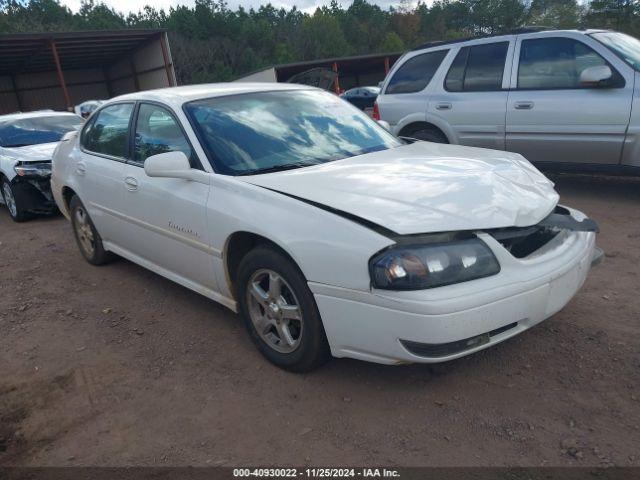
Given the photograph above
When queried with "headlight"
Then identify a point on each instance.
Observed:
(33, 169)
(417, 267)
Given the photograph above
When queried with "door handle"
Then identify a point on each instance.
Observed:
(81, 168)
(444, 106)
(523, 105)
(131, 184)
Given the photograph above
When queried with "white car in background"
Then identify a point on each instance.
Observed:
(325, 232)
(85, 109)
(27, 142)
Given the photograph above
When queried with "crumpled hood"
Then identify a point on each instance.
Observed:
(425, 187)
(32, 153)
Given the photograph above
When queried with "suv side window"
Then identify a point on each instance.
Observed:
(416, 73)
(157, 131)
(478, 68)
(108, 131)
(556, 63)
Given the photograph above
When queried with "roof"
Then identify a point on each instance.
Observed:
(519, 31)
(187, 93)
(31, 52)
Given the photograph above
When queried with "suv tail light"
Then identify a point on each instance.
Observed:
(376, 111)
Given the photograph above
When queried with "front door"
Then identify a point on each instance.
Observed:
(552, 116)
(168, 229)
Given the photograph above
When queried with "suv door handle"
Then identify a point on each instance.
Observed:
(131, 184)
(81, 168)
(523, 105)
(444, 106)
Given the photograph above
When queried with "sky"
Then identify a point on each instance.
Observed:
(127, 6)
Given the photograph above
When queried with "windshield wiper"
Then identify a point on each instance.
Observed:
(277, 168)
(17, 145)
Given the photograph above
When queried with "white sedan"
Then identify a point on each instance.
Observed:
(325, 232)
(27, 141)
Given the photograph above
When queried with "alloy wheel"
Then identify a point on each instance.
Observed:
(9, 199)
(274, 310)
(84, 231)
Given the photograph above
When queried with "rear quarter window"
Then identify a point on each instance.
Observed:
(416, 73)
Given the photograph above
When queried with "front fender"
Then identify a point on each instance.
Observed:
(327, 248)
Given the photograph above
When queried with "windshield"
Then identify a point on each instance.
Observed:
(625, 46)
(270, 131)
(32, 131)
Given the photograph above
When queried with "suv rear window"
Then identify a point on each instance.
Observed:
(478, 68)
(416, 73)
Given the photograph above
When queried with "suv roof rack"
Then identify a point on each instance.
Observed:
(530, 29)
(517, 31)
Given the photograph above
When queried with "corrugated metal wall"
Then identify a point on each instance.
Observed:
(37, 91)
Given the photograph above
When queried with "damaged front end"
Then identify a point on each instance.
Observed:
(524, 241)
(32, 187)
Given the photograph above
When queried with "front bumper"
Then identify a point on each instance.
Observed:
(33, 194)
(390, 327)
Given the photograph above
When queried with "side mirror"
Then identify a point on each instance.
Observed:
(173, 165)
(384, 125)
(596, 76)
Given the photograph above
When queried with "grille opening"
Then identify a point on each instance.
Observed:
(435, 350)
(522, 242)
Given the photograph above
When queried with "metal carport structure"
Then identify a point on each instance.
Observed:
(61, 69)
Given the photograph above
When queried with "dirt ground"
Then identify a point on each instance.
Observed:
(116, 366)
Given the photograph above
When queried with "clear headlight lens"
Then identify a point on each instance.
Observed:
(417, 267)
(33, 169)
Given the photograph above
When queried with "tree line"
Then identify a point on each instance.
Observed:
(211, 42)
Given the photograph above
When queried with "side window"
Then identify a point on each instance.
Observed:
(479, 68)
(556, 63)
(157, 131)
(108, 131)
(416, 73)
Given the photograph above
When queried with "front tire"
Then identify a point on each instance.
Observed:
(17, 213)
(87, 237)
(279, 311)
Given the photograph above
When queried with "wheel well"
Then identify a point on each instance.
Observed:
(414, 127)
(67, 195)
(237, 246)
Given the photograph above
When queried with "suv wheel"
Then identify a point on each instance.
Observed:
(279, 311)
(13, 205)
(87, 237)
(429, 135)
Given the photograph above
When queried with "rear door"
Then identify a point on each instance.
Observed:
(100, 168)
(472, 98)
(167, 216)
(552, 116)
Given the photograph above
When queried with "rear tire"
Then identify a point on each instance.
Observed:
(279, 311)
(429, 135)
(87, 237)
(17, 213)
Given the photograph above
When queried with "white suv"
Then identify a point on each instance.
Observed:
(563, 98)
